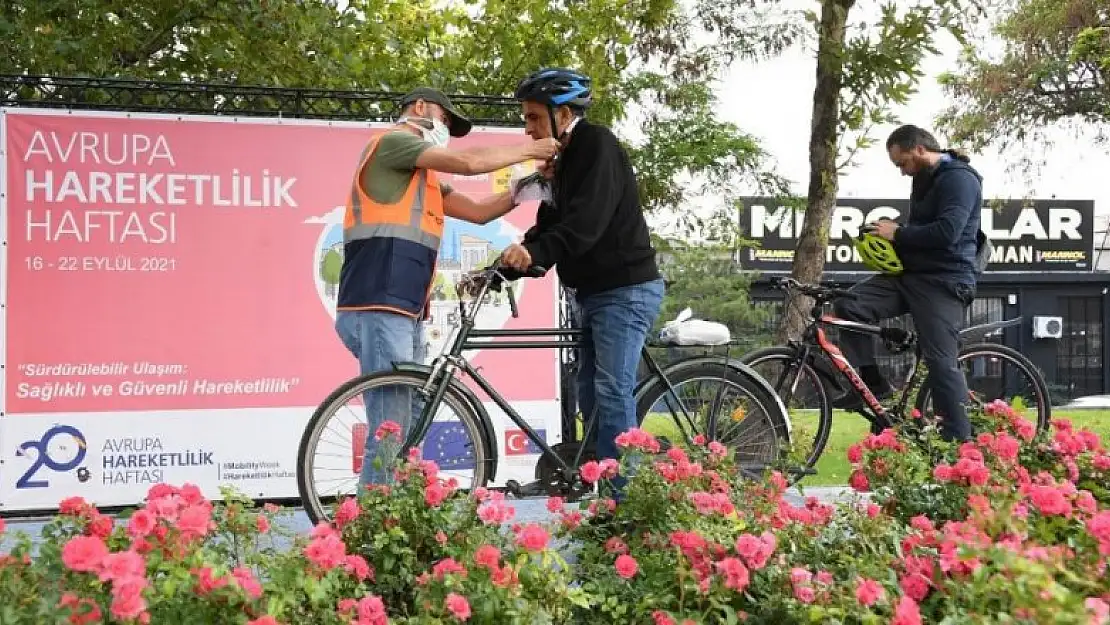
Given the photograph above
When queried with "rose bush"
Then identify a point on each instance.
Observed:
(1007, 528)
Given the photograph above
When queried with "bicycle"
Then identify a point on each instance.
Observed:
(438, 385)
(812, 355)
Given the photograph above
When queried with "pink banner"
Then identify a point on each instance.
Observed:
(159, 264)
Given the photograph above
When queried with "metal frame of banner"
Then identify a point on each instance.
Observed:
(3, 258)
(145, 96)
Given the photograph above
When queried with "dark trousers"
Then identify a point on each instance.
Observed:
(937, 308)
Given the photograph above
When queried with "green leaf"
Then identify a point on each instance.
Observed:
(663, 55)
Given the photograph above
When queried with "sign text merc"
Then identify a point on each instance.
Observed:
(1026, 234)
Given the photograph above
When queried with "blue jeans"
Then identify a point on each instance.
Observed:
(616, 323)
(378, 339)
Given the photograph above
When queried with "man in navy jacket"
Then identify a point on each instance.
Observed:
(938, 247)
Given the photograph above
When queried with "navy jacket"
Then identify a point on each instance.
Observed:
(939, 236)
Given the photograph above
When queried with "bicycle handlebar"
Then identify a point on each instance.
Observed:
(816, 291)
(493, 277)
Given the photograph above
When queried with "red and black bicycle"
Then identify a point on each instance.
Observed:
(808, 372)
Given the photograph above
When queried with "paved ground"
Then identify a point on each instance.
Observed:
(526, 510)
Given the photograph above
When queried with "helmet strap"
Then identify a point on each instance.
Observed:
(554, 129)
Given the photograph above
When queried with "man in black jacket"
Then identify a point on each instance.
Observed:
(593, 231)
(938, 246)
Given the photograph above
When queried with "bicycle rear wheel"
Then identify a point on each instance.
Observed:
(807, 402)
(998, 372)
(331, 454)
(721, 402)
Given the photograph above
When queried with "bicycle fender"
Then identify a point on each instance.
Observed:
(735, 364)
(489, 437)
(978, 333)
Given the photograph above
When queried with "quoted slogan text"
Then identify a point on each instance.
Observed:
(52, 382)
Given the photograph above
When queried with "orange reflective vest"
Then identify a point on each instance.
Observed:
(390, 250)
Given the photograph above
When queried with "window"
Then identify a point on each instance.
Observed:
(986, 310)
(985, 373)
(1079, 354)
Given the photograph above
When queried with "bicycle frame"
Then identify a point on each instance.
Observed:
(450, 361)
(815, 337)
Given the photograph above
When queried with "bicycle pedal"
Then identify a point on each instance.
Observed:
(521, 491)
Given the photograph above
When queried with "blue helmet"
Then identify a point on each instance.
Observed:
(556, 87)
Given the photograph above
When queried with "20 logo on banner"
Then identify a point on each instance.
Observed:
(64, 458)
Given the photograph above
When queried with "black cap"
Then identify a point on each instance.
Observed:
(459, 125)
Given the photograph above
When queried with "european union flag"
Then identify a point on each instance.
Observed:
(448, 444)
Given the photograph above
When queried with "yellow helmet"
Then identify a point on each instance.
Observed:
(878, 253)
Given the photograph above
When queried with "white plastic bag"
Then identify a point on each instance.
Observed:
(532, 188)
(684, 330)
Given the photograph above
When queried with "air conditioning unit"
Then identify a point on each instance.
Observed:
(1048, 327)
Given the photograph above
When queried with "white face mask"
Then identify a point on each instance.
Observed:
(438, 135)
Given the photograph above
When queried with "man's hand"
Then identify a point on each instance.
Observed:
(517, 257)
(544, 149)
(885, 228)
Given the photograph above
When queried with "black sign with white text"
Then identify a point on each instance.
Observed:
(1028, 235)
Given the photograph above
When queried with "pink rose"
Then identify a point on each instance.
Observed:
(127, 598)
(591, 472)
(371, 611)
(348, 511)
(458, 606)
(84, 553)
(906, 612)
(141, 524)
(868, 591)
(247, 582)
(859, 481)
(532, 537)
(122, 565)
(626, 566)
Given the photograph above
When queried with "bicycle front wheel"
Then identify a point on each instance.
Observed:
(332, 458)
(722, 403)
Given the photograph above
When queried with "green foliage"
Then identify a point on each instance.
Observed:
(661, 54)
(1053, 66)
(671, 174)
(305, 43)
(882, 66)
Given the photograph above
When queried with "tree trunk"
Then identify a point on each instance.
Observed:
(809, 257)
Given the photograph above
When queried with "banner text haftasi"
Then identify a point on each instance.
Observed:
(1028, 235)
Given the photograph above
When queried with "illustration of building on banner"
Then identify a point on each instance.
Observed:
(464, 247)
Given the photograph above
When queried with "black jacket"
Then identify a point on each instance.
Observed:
(940, 235)
(595, 233)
